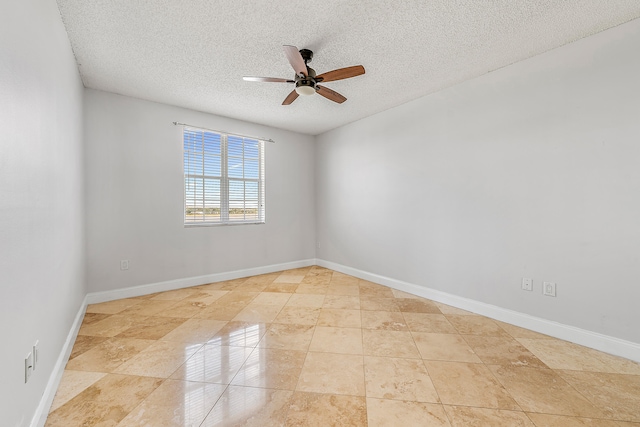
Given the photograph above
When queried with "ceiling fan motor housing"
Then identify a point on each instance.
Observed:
(306, 85)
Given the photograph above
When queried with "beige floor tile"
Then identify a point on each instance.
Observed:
(344, 279)
(254, 286)
(287, 288)
(617, 394)
(257, 313)
(160, 359)
(238, 297)
(343, 302)
(386, 413)
(105, 403)
(558, 354)
(221, 311)
(72, 384)
(319, 374)
(316, 286)
(620, 364)
(147, 308)
(444, 347)
(337, 340)
(195, 331)
(110, 327)
(428, 322)
(240, 334)
(389, 344)
(213, 364)
(108, 355)
(315, 343)
(151, 328)
(112, 307)
(184, 309)
(289, 278)
(475, 325)
(340, 318)
(175, 403)
(447, 309)
(249, 407)
(502, 350)
(85, 343)
(462, 416)
(300, 270)
(306, 300)
(271, 368)
(401, 294)
(369, 289)
(317, 278)
(383, 320)
(327, 410)
(543, 391)
(347, 290)
(413, 305)
(378, 304)
(272, 298)
(469, 384)
(287, 337)
(298, 315)
(324, 276)
(90, 318)
(206, 296)
(544, 420)
(518, 332)
(398, 379)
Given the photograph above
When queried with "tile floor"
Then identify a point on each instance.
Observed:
(313, 347)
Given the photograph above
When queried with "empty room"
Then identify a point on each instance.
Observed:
(353, 213)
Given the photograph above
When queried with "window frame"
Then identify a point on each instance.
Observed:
(225, 217)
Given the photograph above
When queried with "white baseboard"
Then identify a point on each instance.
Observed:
(40, 416)
(170, 285)
(608, 344)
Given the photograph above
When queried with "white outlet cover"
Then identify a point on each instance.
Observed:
(549, 288)
(36, 355)
(124, 264)
(28, 366)
(527, 284)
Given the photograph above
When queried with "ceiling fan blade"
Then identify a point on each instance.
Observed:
(290, 98)
(267, 79)
(341, 73)
(331, 94)
(295, 59)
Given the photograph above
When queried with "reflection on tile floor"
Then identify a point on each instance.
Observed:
(314, 347)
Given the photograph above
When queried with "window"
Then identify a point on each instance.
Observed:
(223, 178)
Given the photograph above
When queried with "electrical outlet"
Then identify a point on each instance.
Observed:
(28, 366)
(549, 288)
(124, 264)
(36, 354)
(527, 284)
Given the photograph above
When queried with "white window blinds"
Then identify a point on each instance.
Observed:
(223, 178)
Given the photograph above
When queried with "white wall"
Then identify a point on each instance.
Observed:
(41, 204)
(529, 171)
(134, 197)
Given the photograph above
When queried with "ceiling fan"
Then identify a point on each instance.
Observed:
(306, 80)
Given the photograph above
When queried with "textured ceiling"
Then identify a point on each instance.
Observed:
(194, 53)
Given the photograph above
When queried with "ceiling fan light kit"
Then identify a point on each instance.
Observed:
(306, 81)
